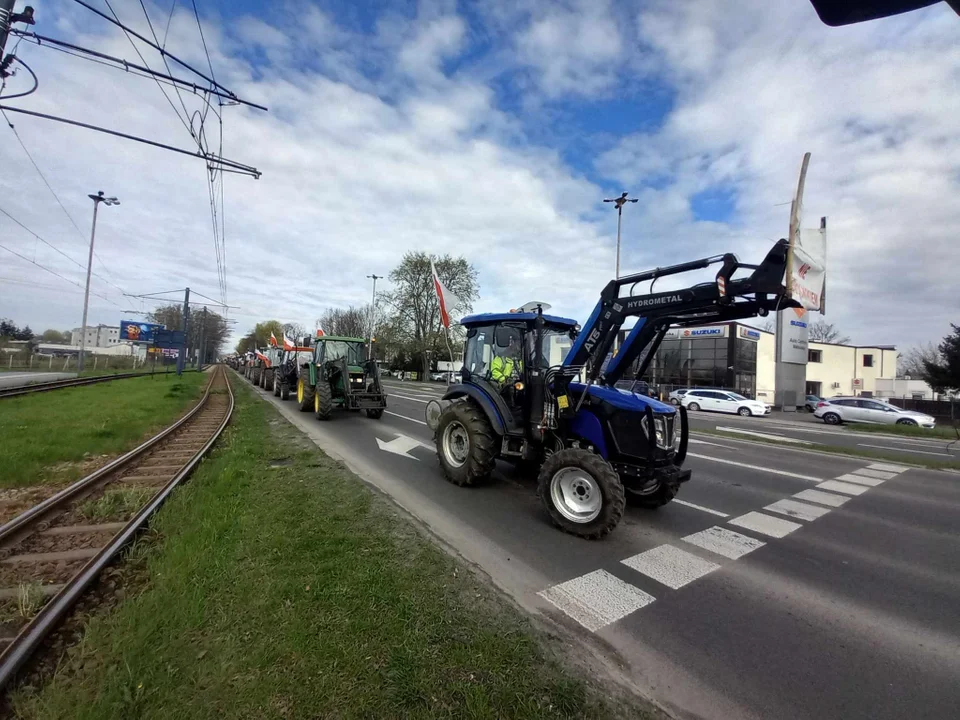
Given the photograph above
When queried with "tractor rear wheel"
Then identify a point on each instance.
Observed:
(581, 492)
(266, 381)
(284, 391)
(276, 384)
(304, 394)
(373, 413)
(466, 444)
(256, 375)
(323, 401)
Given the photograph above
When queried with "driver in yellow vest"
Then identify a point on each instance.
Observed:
(507, 366)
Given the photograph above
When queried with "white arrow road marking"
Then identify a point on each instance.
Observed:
(769, 436)
(400, 445)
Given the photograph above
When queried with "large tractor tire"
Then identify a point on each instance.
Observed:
(304, 394)
(284, 390)
(581, 492)
(655, 498)
(323, 401)
(276, 384)
(466, 444)
(266, 381)
(255, 378)
(376, 413)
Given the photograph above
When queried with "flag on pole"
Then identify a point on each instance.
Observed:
(273, 340)
(320, 332)
(288, 344)
(447, 299)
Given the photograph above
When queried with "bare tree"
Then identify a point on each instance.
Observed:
(214, 329)
(415, 310)
(822, 331)
(769, 325)
(350, 322)
(910, 363)
(294, 331)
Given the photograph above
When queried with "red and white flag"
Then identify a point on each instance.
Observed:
(447, 299)
(273, 340)
(288, 344)
(320, 332)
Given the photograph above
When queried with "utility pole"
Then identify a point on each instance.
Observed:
(619, 203)
(97, 199)
(202, 351)
(182, 357)
(373, 312)
(7, 18)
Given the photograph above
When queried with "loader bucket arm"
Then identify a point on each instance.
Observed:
(727, 298)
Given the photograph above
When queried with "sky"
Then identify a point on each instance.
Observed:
(491, 130)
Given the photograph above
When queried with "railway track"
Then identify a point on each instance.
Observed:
(51, 553)
(58, 384)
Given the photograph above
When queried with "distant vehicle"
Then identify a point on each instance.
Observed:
(675, 396)
(640, 387)
(839, 410)
(723, 401)
(445, 376)
(811, 403)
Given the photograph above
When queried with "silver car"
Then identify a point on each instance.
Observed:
(838, 410)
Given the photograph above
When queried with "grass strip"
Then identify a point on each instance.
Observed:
(282, 586)
(946, 432)
(839, 450)
(47, 437)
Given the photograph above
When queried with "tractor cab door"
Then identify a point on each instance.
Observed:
(494, 360)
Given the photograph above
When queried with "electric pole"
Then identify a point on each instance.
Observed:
(373, 312)
(97, 199)
(202, 351)
(182, 357)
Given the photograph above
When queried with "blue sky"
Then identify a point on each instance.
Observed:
(494, 130)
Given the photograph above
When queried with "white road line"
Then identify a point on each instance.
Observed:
(757, 467)
(799, 510)
(765, 524)
(724, 542)
(694, 441)
(874, 473)
(701, 508)
(670, 565)
(404, 417)
(911, 450)
(407, 397)
(596, 599)
(860, 480)
(823, 498)
(846, 488)
(768, 436)
(887, 468)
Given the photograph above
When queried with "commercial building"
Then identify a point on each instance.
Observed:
(98, 336)
(742, 358)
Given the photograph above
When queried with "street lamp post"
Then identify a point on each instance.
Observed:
(97, 199)
(619, 203)
(373, 312)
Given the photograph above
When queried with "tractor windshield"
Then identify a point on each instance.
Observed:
(336, 349)
(556, 345)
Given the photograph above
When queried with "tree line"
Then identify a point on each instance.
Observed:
(404, 320)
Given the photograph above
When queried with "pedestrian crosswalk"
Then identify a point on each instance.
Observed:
(599, 598)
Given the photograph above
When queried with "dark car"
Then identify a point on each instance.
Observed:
(811, 403)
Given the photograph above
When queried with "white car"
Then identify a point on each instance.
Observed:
(723, 401)
(849, 409)
(675, 396)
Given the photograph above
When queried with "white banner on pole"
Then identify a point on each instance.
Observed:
(808, 268)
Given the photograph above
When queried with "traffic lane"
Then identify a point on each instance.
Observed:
(919, 448)
(730, 485)
(18, 379)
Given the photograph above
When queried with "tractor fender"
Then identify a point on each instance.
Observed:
(483, 400)
(587, 426)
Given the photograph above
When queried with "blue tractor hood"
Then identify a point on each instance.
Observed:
(625, 400)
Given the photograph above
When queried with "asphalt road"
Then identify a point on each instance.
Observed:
(840, 602)
(801, 428)
(17, 379)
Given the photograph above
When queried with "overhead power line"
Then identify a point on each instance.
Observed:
(54, 272)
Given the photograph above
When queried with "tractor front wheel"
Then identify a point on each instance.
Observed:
(266, 382)
(323, 401)
(304, 394)
(276, 384)
(581, 492)
(373, 413)
(466, 445)
(284, 391)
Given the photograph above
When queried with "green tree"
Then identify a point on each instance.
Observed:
(56, 337)
(247, 343)
(943, 375)
(414, 309)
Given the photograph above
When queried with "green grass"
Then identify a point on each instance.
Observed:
(945, 431)
(117, 504)
(282, 587)
(47, 436)
(903, 458)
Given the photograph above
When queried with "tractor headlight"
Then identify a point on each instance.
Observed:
(665, 432)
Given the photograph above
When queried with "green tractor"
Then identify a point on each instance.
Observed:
(340, 376)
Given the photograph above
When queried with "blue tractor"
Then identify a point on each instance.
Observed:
(538, 390)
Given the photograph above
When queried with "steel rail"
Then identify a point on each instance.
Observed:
(20, 390)
(49, 617)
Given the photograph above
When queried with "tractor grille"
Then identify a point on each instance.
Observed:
(356, 381)
(631, 433)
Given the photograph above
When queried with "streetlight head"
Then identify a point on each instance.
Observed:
(114, 201)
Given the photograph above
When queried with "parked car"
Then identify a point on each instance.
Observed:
(723, 401)
(838, 410)
(444, 376)
(640, 387)
(675, 396)
(811, 403)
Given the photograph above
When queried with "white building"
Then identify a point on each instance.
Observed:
(99, 336)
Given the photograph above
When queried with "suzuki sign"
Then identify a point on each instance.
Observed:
(793, 337)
